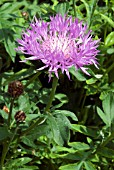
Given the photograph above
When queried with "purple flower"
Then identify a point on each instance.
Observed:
(59, 44)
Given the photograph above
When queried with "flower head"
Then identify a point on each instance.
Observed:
(59, 44)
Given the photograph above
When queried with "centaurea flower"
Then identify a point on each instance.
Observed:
(59, 44)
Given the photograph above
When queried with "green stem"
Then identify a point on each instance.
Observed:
(6, 147)
(109, 138)
(39, 121)
(42, 119)
(110, 68)
(83, 102)
(74, 3)
(10, 113)
(93, 7)
(54, 86)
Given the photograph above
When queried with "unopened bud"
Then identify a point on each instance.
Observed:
(20, 116)
(15, 89)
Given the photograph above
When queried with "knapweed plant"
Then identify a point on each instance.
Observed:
(60, 44)
(57, 109)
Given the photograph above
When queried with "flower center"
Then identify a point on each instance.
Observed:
(58, 45)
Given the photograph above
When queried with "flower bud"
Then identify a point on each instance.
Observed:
(20, 116)
(15, 89)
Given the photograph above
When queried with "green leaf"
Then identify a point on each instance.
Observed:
(103, 95)
(58, 149)
(10, 48)
(77, 73)
(109, 40)
(78, 155)
(84, 130)
(108, 108)
(4, 133)
(60, 130)
(19, 162)
(55, 129)
(110, 50)
(87, 9)
(3, 114)
(91, 81)
(102, 115)
(75, 166)
(109, 20)
(62, 8)
(37, 131)
(89, 165)
(64, 127)
(44, 95)
(61, 97)
(29, 168)
(28, 141)
(79, 145)
(24, 73)
(106, 152)
(66, 113)
(24, 104)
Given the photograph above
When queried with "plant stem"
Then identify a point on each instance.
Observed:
(10, 113)
(93, 7)
(109, 138)
(39, 121)
(54, 86)
(110, 68)
(6, 147)
(74, 7)
(42, 119)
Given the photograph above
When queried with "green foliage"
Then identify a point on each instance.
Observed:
(77, 131)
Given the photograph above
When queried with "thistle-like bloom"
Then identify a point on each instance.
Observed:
(59, 44)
